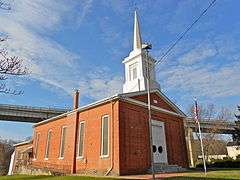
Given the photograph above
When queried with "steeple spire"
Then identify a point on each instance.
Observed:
(137, 40)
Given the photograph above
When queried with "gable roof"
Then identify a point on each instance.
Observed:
(160, 94)
(125, 97)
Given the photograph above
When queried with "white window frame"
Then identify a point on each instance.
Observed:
(81, 157)
(60, 151)
(48, 144)
(101, 154)
(36, 146)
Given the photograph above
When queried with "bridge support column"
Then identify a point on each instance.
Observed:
(189, 138)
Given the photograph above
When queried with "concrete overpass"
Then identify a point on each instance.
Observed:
(36, 114)
(221, 127)
(30, 114)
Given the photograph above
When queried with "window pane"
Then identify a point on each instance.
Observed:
(80, 143)
(105, 135)
(48, 144)
(63, 142)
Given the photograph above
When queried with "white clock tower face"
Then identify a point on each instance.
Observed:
(136, 65)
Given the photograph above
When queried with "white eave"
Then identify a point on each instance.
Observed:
(162, 96)
(97, 103)
(53, 118)
(23, 143)
(154, 108)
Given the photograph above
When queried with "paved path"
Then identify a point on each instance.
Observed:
(149, 176)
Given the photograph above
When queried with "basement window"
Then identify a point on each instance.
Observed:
(36, 145)
(81, 139)
(48, 143)
(105, 136)
(62, 145)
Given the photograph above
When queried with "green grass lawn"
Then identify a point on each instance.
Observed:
(26, 177)
(211, 175)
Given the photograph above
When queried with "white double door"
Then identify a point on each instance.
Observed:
(159, 142)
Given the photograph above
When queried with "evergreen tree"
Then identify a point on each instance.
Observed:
(236, 135)
(238, 114)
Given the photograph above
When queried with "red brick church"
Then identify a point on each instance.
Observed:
(111, 136)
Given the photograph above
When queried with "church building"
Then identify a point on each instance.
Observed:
(112, 136)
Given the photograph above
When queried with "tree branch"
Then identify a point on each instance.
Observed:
(5, 90)
(5, 6)
(11, 65)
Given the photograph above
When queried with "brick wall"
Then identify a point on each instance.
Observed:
(91, 162)
(129, 140)
(154, 96)
(54, 162)
(134, 139)
(21, 158)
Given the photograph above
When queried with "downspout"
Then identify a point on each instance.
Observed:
(112, 138)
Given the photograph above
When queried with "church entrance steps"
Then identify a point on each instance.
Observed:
(166, 168)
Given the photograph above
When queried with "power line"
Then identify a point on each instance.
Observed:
(185, 32)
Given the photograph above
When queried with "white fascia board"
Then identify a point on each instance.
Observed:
(114, 97)
(164, 97)
(140, 103)
(52, 119)
(22, 143)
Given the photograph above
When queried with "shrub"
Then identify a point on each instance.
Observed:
(222, 163)
(238, 157)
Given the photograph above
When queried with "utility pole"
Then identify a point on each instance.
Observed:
(147, 47)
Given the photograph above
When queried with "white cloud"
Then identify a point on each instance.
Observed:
(101, 83)
(203, 51)
(86, 6)
(205, 70)
(29, 25)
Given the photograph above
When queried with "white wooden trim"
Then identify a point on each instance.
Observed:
(35, 153)
(101, 154)
(22, 143)
(81, 157)
(80, 109)
(140, 103)
(160, 94)
(47, 144)
(60, 151)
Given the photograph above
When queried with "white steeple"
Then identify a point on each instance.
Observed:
(137, 40)
(136, 65)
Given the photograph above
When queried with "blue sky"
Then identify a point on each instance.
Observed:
(69, 44)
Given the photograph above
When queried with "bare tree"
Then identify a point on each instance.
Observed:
(9, 65)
